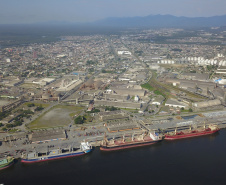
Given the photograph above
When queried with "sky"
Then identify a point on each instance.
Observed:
(33, 11)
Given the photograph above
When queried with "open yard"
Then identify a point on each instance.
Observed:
(29, 85)
(4, 102)
(60, 115)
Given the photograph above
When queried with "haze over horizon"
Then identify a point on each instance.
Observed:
(26, 11)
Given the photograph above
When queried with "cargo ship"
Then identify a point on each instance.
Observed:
(192, 133)
(132, 142)
(54, 154)
(6, 162)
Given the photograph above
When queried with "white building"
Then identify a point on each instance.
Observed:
(124, 53)
(174, 103)
(158, 100)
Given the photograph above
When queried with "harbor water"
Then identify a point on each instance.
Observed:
(200, 160)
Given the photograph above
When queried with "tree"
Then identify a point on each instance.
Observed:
(88, 118)
(4, 129)
(4, 114)
(94, 111)
(91, 70)
(111, 108)
(39, 108)
(190, 110)
(9, 126)
(17, 123)
(79, 120)
(30, 104)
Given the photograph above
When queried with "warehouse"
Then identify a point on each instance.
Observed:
(131, 92)
(174, 103)
(209, 103)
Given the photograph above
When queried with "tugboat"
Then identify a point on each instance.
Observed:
(59, 153)
(6, 162)
(141, 140)
(192, 133)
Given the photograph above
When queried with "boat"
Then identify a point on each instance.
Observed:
(141, 140)
(6, 162)
(54, 154)
(192, 133)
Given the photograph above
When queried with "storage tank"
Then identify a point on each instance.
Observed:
(136, 98)
(211, 62)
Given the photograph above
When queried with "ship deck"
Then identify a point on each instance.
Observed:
(129, 141)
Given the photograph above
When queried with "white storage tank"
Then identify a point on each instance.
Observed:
(136, 98)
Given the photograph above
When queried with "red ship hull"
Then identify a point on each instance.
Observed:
(191, 134)
(128, 145)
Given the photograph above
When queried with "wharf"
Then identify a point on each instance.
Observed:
(95, 135)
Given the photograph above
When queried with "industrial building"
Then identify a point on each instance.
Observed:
(121, 104)
(122, 126)
(175, 103)
(157, 100)
(129, 91)
(205, 104)
(194, 76)
(113, 115)
(221, 70)
(91, 84)
(47, 135)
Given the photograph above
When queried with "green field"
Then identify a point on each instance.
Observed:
(44, 105)
(130, 110)
(147, 86)
(154, 89)
(58, 116)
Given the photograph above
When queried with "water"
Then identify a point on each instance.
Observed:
(200, 160)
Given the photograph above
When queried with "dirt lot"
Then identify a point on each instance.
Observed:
(56, 117)
(4, 102)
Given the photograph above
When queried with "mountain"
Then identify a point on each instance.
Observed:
(164, 21)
